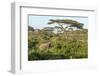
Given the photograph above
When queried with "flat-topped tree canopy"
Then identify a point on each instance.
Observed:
(69, 22)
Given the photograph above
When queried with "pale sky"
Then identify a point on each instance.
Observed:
(39, 22)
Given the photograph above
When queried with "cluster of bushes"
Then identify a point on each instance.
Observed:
(74, 46)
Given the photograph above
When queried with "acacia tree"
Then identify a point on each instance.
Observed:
(66, 24)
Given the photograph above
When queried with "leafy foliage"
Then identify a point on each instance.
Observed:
(75, 46)
(70, 23)
(65, 44)
(30, 28)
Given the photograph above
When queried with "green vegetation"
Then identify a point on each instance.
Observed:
(66, 43)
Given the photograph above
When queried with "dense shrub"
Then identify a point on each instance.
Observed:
(74, 46)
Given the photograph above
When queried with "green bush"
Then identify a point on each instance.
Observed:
(74, 46)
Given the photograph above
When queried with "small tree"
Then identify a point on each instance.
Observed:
(48, 28)
(30, 28)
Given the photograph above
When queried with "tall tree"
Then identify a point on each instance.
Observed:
(66, 24)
